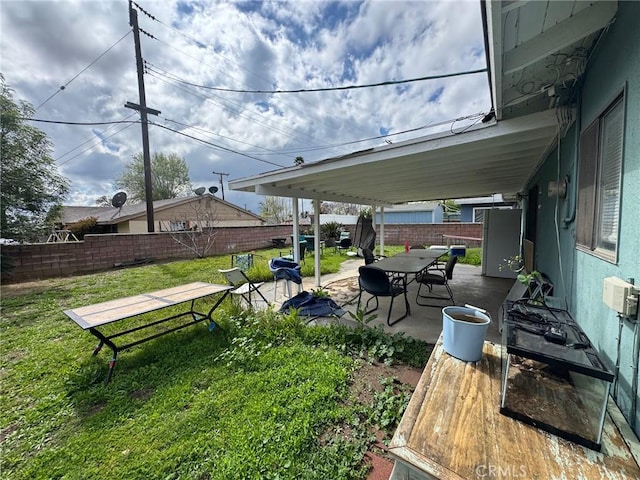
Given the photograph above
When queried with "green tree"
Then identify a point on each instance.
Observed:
(31, 189)
(169, 177)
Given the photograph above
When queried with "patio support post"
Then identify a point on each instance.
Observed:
(381, 230)
(316, 239)
(295, 240)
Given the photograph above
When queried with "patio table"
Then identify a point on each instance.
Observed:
(92, 317)
(409, 263)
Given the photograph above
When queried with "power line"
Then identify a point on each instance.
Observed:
(93, 139)
(216, 146)
(91, 146)
(61, 88)
(235, 108)
(60, 122)
(345, 87)
(222, 136)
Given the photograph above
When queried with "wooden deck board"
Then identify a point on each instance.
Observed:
(452, 429)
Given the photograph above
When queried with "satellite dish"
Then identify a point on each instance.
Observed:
(118, 199)
(199, 191)
(213, 190)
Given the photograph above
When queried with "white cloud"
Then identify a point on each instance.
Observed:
(247, 45)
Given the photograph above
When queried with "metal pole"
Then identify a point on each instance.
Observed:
(220, 174)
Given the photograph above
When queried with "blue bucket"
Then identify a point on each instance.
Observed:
(464, 330)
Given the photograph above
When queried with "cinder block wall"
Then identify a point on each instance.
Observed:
(103, 252)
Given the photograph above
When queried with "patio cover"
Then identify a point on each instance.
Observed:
(487, 159)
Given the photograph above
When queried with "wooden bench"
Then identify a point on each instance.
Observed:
(92, 317)
(452, 429)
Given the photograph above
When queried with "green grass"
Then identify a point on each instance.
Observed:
(267, 397)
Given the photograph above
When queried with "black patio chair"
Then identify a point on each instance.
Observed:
(433, 277)
(376, 282)
(344, 244)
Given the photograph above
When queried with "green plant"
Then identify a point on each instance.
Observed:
(331, 230)
(361, 319)
(319, 293)
(390, 404)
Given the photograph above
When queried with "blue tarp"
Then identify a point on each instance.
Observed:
(310, 306)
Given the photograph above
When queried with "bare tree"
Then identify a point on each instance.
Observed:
(195, 230)
(277, 209)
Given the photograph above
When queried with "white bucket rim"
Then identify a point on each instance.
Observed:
(468, 311)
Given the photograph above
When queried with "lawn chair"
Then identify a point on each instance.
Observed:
(243, 286)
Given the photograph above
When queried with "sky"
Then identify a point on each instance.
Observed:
(196, 51)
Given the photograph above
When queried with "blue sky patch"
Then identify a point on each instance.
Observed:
(112, 147)
(435, 96)
(383, 131)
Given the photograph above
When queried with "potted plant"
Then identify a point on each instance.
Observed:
(331, 233)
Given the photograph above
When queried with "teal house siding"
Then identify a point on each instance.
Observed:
(577, 275)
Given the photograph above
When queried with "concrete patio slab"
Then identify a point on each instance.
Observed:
(424, 323)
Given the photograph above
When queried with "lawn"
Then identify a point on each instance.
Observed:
(265, 397)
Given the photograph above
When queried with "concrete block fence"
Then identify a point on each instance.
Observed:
(104, 252)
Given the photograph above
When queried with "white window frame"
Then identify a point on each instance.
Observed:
(502, 207)
(599, 215)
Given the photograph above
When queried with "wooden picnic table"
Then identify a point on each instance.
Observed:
(453, 429)
(91, 317)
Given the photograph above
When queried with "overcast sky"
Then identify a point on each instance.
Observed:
(88, 47)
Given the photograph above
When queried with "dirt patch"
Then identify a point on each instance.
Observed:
(343, 291)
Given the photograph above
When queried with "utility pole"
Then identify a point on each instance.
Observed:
(142, 108)
(220, 174)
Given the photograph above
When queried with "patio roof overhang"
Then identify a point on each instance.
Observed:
(487, 159)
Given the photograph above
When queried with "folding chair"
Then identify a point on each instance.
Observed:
(243, 286)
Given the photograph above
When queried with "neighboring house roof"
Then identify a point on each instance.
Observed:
(112, 215)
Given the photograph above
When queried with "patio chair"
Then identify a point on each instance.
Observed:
(375, 282)
(344, 244)
(286, 270)
(243, 286)
(436, 277)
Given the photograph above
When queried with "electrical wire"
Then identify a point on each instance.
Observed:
(60, 122)
(98, 141)
(61, 88)
(201, 61)
(93, 138)
(216, 146)
(238, 111)
(345, 87)
(202, 130)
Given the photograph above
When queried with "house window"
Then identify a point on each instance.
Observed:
(478, 212)
(599, 179)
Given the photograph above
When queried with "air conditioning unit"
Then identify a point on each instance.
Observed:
(620, 296)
